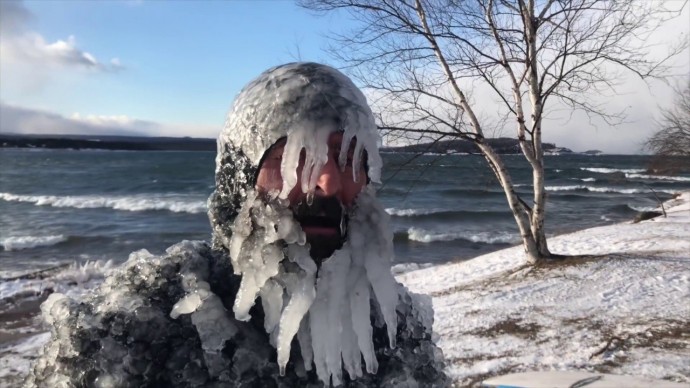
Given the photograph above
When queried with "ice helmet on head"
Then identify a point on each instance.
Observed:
(288, 100)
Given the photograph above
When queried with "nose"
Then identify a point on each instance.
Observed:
(329, 182)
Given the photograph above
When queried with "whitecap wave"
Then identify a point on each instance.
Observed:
(74, 280)
(171, 202)
(411, 212)
(588, 179)
(642, 208)
(27, 242)
(603, 170)
(605, 189)
(421, 235)
(658, 177)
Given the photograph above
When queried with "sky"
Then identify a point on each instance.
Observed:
(172, 68)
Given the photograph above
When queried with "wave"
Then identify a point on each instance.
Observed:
(75, 280)
(170, 202)
(603, 170)
(28, 242)
(658, 177)
(446, 214)
(642, 208)
(424, 236)
(412, 212)
(605, 189)
(587, 179)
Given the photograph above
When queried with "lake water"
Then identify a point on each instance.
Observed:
(61, 206)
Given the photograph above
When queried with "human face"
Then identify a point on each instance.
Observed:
(332, 183)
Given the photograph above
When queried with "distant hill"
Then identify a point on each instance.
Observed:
(132, 143)
(502, 145)
(77, 142)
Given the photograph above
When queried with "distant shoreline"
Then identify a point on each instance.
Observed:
(135, 143)
(124, 143)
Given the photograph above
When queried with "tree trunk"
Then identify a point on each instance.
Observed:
(520, 212)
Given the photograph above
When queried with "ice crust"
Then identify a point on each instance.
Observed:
(306, 101)
(274, 263)
(137, 342)
(303, 102)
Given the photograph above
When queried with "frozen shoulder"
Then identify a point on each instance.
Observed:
(123, 333)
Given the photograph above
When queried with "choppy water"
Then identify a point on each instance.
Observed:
(61, 206)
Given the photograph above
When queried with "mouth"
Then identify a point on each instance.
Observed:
(323, 217)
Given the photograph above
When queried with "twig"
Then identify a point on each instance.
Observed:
(661, 203)
(606, 347)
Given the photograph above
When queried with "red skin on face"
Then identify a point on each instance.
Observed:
(332, 182)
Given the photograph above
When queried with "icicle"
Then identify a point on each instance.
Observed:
(351, 354)
(304, 339)
(335, 269)
(302, 293)
(245, 298)
(386, 292)
(369, 219)
(361, 315)
(318, 322)
(272, 302)
(289, 163)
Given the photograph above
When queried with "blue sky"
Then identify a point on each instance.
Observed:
(173, 67)
(180, 62)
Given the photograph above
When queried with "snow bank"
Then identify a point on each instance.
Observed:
(620, 310)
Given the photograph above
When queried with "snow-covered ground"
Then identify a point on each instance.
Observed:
(622, 307)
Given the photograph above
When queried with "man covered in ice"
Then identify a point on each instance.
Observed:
(295, 289)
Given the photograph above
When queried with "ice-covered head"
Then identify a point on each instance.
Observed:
(300, 104)
(294, 160)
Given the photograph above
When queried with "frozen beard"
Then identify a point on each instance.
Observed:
(328, 308)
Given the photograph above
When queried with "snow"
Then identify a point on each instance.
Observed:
(621, 308)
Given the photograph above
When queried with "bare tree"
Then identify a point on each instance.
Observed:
(671, 143)
(423, 58)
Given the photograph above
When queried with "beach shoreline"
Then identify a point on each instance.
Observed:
(22, 333)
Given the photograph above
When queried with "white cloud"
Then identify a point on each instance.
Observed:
(23, 120)
(20, 45)
(32, 48)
